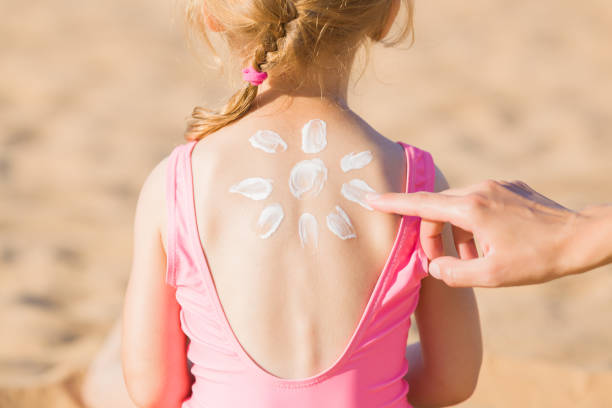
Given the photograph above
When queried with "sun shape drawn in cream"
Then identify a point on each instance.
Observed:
(306, 180)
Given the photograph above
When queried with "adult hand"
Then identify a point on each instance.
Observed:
(524, 237)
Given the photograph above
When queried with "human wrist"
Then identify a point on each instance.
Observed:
(587, 240)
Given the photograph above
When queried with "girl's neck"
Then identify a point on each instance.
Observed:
(276, 93)
(273, 101)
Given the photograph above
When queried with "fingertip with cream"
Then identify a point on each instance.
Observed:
(372, 196)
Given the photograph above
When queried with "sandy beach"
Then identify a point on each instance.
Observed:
(94, 94)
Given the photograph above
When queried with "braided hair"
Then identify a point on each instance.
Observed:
(287, 33)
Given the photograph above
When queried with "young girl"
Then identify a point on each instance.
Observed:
(256, 255)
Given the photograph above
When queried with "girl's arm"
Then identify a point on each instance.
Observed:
(153, 348)
(445, 364)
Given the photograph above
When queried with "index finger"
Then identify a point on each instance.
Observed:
(443, 207)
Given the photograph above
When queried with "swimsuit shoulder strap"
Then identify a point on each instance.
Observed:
(177, 223)
(421, 176)
(421, 169)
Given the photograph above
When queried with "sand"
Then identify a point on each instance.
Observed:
(93, 94)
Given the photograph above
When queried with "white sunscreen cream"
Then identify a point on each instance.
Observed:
(356, 190)
(268, 141)
(269, 220)
(307, 176)
(255, 188)
(314, 136)
(353, 161)
(308, 230)
(340, 224)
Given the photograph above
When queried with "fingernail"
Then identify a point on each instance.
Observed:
(434, 270)
(372, 196)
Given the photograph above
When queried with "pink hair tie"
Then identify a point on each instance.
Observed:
(253, 76)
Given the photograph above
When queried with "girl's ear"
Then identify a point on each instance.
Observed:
(393, 11)
(210, 21)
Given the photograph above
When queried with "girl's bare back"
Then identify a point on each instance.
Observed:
(293, 304)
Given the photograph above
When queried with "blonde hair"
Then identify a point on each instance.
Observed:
(289, 38)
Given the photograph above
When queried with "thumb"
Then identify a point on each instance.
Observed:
(457, 272)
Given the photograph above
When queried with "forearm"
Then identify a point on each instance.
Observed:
(588, 241)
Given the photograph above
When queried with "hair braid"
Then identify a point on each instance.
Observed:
(297, 40)
(205, 121)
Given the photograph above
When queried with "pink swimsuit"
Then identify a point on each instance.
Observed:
(370, 371)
